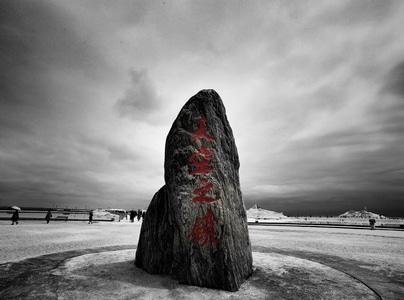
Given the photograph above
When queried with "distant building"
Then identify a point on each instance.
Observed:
(361, 214)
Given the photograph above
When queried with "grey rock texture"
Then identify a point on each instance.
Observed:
(195, 227)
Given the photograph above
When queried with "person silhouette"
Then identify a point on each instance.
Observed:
(14, 217)
(48, 216)
(90, 217)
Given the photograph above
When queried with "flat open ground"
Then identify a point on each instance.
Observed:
(289, 262)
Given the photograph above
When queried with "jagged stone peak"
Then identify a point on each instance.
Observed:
(209, 98)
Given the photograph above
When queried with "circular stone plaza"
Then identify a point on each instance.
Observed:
(76, 260)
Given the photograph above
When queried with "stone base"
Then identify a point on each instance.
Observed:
(112, 275)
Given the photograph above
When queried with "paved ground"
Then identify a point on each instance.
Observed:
(289, 264)
(90, 274)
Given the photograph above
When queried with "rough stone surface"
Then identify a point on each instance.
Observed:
(195, 227)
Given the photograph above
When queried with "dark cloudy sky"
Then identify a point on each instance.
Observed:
(314, 92)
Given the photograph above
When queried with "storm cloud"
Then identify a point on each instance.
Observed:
(140, 99)
(313, 91)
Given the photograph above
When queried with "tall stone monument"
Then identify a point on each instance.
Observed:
(195, 227)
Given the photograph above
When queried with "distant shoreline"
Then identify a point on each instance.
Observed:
(358, 223)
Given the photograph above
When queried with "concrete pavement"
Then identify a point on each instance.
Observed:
(278, 274)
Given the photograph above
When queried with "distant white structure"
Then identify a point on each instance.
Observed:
(361, 214)
(256, 213)
(117, 211)
(113, 213)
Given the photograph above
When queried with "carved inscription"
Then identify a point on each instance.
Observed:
(203, 230)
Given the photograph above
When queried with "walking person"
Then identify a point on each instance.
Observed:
(48, 216)
(90, 217)
(132, 216)
(15, 217)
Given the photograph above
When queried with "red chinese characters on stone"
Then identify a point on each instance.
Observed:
(200, 161)
(201, 192)
(200, 133)
(204, 229)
